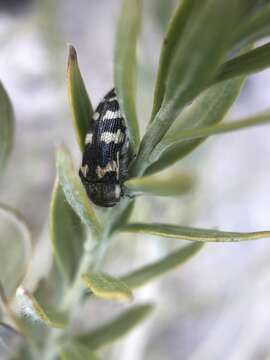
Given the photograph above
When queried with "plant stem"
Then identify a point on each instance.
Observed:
(91, 260)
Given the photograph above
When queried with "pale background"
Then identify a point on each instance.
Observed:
(217, 305)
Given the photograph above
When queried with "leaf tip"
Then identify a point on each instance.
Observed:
(60, 149)
(148, 308)
(107, 287)
(72, 54)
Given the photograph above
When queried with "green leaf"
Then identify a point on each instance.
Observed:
(80, 104)
(253, 27)
(67, 234)
(119, 215)
(117, 328)
(173, 185)
(107, 287)
(52, 288)
(74, 191)
(125, 65)
(150, 272)
(249, 63)
(32, 309)
(194, 65)
(171, 142)
(6, 126)
(174, 34)
(196, 60)
(193, 234)
(76, 351)
(208, 109)
(15, 250)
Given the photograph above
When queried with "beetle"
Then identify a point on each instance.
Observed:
(107, 153)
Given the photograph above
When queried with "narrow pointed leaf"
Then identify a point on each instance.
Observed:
(52, 287)
(117, 328)
(171, 141)
(210, 108)
(74, 191)
(254, 27)
(76, 351)
(15, 249)
(193, 234)
(67, 234)
(175, 31)
(125, 65)
(194, 65)
(201, 50)
(251, 62)
(34, 311)
(6, 126)
(173, 185)
(80, 104)
(150, 272)
(107, 287)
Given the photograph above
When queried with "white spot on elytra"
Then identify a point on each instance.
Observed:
(88, 139)
(96, 116)
(101, 171)
(112, 115)
(84, 170)
(113, 98)
(109, 137)
(117, 191)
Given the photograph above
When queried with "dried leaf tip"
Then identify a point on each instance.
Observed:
(72, 54)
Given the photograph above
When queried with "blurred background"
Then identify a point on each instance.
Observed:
(217, 305)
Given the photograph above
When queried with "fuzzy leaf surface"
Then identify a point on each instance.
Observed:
(67, 234)
(254, 26)
(52, 287)
(173, 185)
(119, 215)
(117, 328)
(193, 234)
(249, 63)
(74, 191)
(107, 287)
(150, 272)
(201, 50)
(208, 109)
(7, 123)
(15, 249)
(76, 351)
(80, 104)
(125, 65)
(171, 142)
(173, 36)
(33, 310)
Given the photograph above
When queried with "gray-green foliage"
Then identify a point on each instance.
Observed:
(6, 127)
(15, 249)
(197, 83)
(67, 236)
